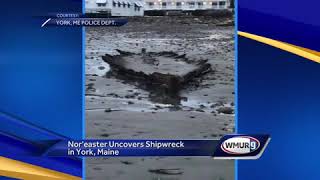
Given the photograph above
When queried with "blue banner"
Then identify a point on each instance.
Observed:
(235, 146)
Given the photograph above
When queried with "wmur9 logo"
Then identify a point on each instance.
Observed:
(240, 145)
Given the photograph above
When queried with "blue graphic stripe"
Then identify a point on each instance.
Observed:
(279, 95)
(279, 28)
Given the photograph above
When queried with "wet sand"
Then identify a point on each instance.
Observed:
(120, 108)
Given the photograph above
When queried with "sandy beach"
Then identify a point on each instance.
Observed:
(123, 108)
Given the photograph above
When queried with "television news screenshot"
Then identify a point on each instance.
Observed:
(159, 90)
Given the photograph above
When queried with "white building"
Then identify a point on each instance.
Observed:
(115, 7)
(186, 5)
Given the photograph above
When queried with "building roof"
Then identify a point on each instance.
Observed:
(137, 3)
(101, 1)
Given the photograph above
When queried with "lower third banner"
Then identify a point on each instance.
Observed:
(233, 146)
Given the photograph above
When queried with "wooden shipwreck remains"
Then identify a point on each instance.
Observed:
(167, 70)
